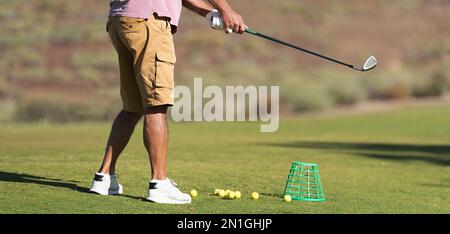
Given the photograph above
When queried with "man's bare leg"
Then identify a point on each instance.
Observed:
(121, 132)
(161, 189)
(156, 140)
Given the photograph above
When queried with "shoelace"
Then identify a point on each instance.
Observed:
(173, 182)
(175, 188)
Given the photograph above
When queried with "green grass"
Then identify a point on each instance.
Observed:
(391, 162)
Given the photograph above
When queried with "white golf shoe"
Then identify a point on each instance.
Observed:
(166, 192)
(104, 184)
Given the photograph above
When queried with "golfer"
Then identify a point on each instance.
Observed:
(141, 32)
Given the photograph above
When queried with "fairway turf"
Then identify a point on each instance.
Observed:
(390, 162)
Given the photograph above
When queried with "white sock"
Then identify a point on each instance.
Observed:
(160, 181)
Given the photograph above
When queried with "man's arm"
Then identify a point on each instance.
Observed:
(231, 19)
(199, 6)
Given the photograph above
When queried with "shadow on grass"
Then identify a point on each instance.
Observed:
(272, 195)
(31, 179)
(434, 154)
(436, 185)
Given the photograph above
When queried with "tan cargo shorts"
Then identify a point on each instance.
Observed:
(147, 58)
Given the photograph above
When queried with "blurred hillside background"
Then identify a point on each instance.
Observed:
(57, 63)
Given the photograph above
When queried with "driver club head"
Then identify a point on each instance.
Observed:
(370, 64)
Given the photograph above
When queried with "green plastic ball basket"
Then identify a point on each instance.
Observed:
(303, 183)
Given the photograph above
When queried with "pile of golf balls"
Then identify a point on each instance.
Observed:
(229, 194)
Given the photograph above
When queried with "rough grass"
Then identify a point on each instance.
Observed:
(393, 162)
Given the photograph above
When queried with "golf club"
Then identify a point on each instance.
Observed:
(370, 63)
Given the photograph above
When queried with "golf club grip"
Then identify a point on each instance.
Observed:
(296, 47)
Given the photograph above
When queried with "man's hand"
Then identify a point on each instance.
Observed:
(224, 18)
(232, 21)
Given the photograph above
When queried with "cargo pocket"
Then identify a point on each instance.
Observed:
(165, 66)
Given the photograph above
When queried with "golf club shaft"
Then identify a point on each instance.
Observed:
(298, 48)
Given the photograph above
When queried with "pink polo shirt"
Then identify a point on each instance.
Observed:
(144, 8)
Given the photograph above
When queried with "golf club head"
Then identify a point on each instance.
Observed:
(370, 63)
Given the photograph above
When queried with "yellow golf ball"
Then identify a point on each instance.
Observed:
(231, 195)
(216, 191)
(227, 192)
(194, 193)
(287, 198)
(255, 195)
(221, 193)
(237, 194)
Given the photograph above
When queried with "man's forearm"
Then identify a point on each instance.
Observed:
(199, 6)
(221, 5)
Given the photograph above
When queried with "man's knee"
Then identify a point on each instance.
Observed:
(155, 116)
(156, 110)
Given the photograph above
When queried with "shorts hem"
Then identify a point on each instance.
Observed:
(157, 104)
